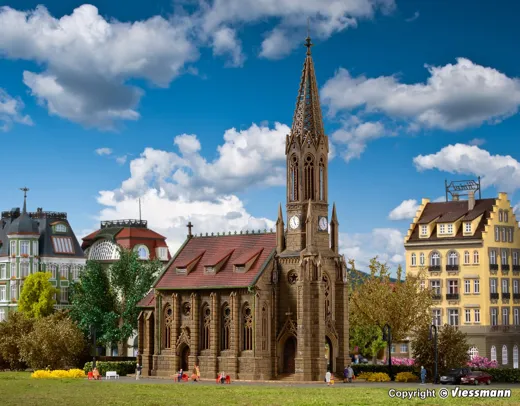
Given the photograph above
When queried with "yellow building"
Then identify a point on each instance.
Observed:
(469, 250)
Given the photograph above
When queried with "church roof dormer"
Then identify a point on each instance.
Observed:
(24, 224)
(307, 123)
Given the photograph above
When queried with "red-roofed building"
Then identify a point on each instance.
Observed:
(259, 305)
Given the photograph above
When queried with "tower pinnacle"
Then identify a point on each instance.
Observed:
(24, 190)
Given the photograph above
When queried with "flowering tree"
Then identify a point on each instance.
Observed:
(401, 361)
(482, 362)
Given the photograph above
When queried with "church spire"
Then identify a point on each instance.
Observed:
(307, 123)
(334, 231)
(280, 233)
(24, 190)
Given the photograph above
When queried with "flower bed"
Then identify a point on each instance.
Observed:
(122, 368)
(58, 373)
(406, 377)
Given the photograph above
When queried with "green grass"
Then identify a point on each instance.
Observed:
(19, 389)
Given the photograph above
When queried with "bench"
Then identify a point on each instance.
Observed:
(112, 374)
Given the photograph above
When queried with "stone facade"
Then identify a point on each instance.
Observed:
(259, 305)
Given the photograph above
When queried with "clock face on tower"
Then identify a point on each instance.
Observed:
(294, 222)
(323, 223)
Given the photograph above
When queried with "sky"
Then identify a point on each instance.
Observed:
(186, 104)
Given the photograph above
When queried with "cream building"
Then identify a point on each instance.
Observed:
(469, 250)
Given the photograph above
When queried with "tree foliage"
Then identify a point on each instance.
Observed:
(367, 338)
(37, 296)
(55, 342)
(131, 278)
(452, 349)
(12, 332)
(402, 304)
(94, 304)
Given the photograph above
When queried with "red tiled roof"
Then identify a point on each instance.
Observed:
(216, 246)
(247, 256)
(148, 300)
(195, 256)
(445, 212)
(133, 232)
(218, 257)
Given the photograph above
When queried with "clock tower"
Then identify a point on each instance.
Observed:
(312, 291)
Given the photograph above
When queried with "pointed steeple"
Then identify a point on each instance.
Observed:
(334, 231)
(309, 227)
(307, 123)
(24, 190)
(280, 234)
(280, 215)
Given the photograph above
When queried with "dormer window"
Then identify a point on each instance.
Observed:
(442, 229)
(240, 268)
(424, 230)
(142, 252)
(246, 261)
(162, 253)
(186, 265)
(215, 263)
(182, 271)
(450, 228)
(467, 227)
(209, 269)
(60, 228)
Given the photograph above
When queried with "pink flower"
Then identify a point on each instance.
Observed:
(482, 362)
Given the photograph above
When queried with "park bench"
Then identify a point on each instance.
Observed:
(112, 374)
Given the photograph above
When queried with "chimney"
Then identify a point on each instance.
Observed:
(455, 197)
(471, 200)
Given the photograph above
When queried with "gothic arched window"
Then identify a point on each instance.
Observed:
(168, 321)
(322, 179)
(264, 328)
(308, 171)
(247, 335)
(293, 178)
(206, 327)
(226, 327)
(328, 298)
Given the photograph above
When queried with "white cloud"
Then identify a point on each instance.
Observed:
(121, 160)
(413, 18)
(104, 151)
(225, 41)
(477, 141)
(277, 44)
(454, 97)
(501, 171)
(356, 137)
(385, 243)
(88, 60)
(405, 211)
(251, 157)
(11, 111)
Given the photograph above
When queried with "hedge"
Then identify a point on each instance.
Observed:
(506, 375)
(359, 368)
(122, 368)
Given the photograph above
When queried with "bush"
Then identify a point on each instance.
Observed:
(482, 362)
(378, 377)
(12, 332)
(406, 377)
(122, 368)
(364, 375)
(383, 368)
(400, 361)
(505, 375)
(58, 373)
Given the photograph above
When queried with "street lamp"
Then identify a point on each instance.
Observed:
(387, 336)
(433, 335)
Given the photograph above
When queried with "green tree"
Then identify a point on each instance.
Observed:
(56, 342)
(378, 300)
(93, 304)
(452, 349)
(130, 279)
(368, 340)
(12, 331)
(37, 296)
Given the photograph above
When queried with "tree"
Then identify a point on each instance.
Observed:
(368, 339)
(131, 278)
(94, 305)
(37, 296)
(452, 349)
(12, 331)
(55, 342)
(378, 300)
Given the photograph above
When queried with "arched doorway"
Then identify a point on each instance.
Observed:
(185, 361)
(329, 354)
(289, 354)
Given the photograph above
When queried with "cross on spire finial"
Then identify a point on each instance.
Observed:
(24, 190)
(308, 42)
(189, 229)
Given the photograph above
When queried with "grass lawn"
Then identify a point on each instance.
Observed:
(19, 389)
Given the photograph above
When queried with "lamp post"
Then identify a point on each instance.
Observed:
(433, 335)
(387, 336)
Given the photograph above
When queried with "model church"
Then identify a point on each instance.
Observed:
(259, 305)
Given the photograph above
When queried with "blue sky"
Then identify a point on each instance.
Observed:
(412, 93)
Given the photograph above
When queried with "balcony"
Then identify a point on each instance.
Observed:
(504, 267)
(452, 296)
(434, 268)
(436, 297)
(452, 267)
(516, 268)
(493, 296)
(506, 295)
(516, 296)
(493, 267)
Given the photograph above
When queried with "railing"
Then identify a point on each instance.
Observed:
(516, 267)
(504, 267)
(452, 296)
(434, 268)
(124, 223)
(516, 295)
(493, 296)
(493, 267)
(452, 267)
(506, 295)
(437, 297)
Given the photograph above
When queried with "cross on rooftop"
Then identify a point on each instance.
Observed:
(189, 229)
